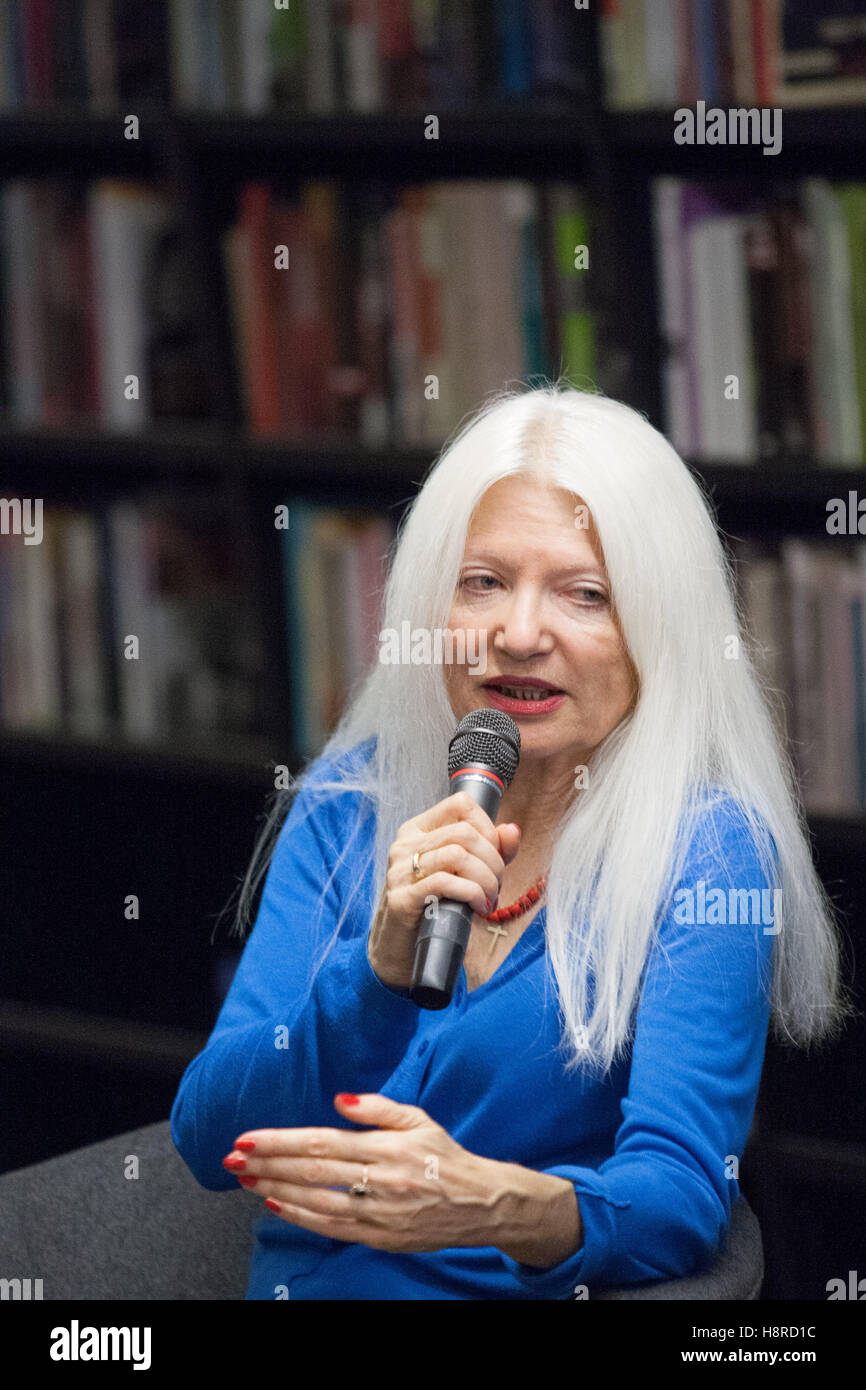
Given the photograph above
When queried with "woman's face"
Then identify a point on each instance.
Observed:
(533, 585)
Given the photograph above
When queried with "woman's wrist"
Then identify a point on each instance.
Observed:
(383, 978)
(544, 1226)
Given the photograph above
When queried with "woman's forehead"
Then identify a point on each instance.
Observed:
(536, 509)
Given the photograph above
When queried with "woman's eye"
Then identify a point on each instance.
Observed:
(589, 595)
(479, 583)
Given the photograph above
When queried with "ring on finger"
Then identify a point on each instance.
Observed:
(417, 871)
(362, 1188)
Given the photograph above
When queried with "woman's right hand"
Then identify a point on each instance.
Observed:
(462, 856)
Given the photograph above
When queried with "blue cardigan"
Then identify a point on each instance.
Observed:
(648, 1147)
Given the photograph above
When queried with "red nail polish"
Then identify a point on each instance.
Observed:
(347, 1098)
(246, 1145)
(247, 1181)
(234, 1164)
(272, 1205)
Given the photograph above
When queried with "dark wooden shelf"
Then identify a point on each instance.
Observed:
(249, 763)
(503, 140)
(253, 764)
(775, 499)
(813, 1158)
(817, 127)
(821, 141)
(191, 451)
(790, 495)
(499, 141)
(118, 1042)
(176, 448)
(844, 834)
(81, 144)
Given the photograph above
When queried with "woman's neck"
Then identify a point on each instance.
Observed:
(537, 801)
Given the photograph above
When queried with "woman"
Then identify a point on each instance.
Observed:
(574, 1118)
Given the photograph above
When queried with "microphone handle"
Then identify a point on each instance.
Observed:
(443, 935)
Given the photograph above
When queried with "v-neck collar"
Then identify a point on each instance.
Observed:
(530, 937)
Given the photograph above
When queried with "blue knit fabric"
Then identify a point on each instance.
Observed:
(648, 1147)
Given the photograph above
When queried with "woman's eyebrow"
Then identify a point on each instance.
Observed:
(486, 557)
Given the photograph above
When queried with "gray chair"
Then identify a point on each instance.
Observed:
(87, 1232)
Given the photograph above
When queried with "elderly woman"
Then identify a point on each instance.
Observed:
(574, 1118)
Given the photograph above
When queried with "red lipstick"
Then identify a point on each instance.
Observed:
(507, 693)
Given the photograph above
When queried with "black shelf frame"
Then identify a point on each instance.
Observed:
(245, 761)
(252, 763)
(499, 140)
(795, 491)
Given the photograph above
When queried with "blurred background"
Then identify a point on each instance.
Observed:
(256, 265)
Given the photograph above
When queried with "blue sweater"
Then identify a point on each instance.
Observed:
(647, 1148)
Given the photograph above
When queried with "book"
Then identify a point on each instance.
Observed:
(838, 436)
(575, 321)
(184, 637)
(766, 608)
(678, 391)
(852, 203)
(449, 291)
(725, 376)
(128, 221)
(558, 45)
(254, 287)
(822, 53)
(740, 53)
(762, 313)
(85, 659)
(24, 351)
(334, 576)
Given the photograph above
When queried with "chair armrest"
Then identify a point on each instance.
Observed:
(737, 1272)
(89, 1232)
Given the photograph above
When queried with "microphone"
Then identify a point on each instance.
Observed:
(482, 760)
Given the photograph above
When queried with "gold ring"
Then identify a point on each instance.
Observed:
(416, 864)
(360, 1189)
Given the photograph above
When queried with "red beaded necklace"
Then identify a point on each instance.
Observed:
(517, 909)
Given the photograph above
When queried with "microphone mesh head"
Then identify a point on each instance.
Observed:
(487, 736)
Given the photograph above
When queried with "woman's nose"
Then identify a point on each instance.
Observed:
(521, 629)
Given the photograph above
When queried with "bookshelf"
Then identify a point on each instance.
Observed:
(217, 787)
(92, 458)
(492, 142)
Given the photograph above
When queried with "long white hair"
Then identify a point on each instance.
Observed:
(700, 722)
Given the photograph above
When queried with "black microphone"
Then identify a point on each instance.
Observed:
(482, 760)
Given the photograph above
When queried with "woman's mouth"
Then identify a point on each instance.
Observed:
(530, 697)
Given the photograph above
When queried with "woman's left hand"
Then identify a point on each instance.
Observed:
(426, 1191)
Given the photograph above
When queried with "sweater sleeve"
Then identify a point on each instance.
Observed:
(659, 1207)
(285, 1043)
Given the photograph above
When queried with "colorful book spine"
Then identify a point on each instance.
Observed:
(572, 249)
(514, 35)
